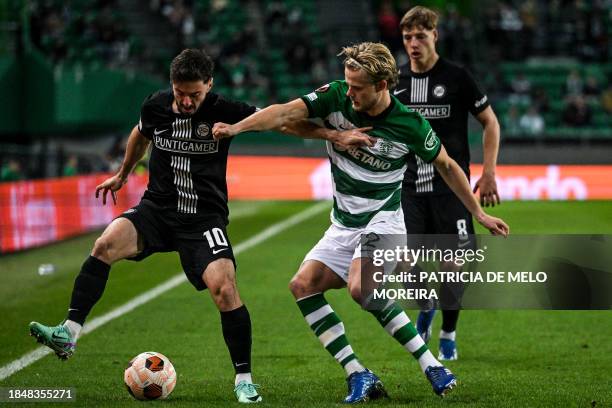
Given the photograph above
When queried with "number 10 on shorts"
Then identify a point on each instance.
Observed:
(215, 238)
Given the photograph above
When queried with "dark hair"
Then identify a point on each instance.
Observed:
(191, 65)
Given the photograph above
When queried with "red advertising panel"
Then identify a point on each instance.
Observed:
(552, 182)
(33, 213)
(37, 212)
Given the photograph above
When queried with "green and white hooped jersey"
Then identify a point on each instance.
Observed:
(367, 180)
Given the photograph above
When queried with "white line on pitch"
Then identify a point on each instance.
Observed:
(35, 355)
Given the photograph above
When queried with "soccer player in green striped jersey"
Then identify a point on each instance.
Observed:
(367, 176)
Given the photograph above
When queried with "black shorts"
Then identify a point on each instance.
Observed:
(443, 222)
(198, 240)
(443, 215)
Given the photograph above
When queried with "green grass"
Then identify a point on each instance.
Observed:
(507, 358)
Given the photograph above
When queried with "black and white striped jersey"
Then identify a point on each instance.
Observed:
(187, 167)
(443, 95)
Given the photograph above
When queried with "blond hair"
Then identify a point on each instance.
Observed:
(373, 58)
(419, 16)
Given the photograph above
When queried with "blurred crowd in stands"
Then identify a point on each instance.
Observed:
(19, 166)
(533, 40)
(94, 32)
(578, 28)
(294, 52)
(179, 14)
(546, 66)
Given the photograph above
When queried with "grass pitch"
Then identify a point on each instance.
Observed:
(507, 358)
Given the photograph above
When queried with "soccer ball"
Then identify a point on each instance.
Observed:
(149, 376)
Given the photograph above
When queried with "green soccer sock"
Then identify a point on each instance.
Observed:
(328, 327)
(397, 324)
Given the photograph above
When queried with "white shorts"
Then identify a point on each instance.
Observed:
(340, 245)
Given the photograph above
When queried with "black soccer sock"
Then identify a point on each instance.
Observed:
(451, 295)
(88, 288)
(449, 320)
(236, 326)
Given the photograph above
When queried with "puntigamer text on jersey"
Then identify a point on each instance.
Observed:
(186, 146)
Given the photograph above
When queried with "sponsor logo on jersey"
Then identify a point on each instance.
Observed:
(439, 91)
(430, 140)
(480, 102)
(367, 158)
(432, 111)
(203, 130)
(159, 132)
(186, 146)
(398, 91)
(322, 89)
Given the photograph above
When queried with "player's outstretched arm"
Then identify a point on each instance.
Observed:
(490, 142)
(344, 139)
(272, 117)
(136, 147)
(458, 182)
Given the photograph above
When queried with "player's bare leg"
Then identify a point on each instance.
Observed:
(118, 241)
(220, 278)
(314, 277)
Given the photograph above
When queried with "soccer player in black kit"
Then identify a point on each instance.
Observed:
(184, 209)
(443, 93)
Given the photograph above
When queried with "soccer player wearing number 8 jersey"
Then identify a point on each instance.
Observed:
(444, 93)
(367, 183)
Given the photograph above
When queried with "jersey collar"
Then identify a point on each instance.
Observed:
(382, 115)
(426, 73)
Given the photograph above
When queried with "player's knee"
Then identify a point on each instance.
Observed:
(103, 249)
(300, 287)
(223, 290)
(355, 292)
(225, 294)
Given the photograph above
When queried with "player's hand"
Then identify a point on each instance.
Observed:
(223, 130)
(495, 225)
(112, 184)
(488, 190)
(353, 138)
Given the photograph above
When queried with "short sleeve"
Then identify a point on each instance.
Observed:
(324, 100)
(145, 123)
(236, 111)
(475, 98)
(427, 144)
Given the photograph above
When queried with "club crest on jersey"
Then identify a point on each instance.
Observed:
(202, 131)
(439, 91)
(430, 140)
(385, 147)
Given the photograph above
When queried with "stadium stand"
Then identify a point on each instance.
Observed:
(545, 59)
(546, 67)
